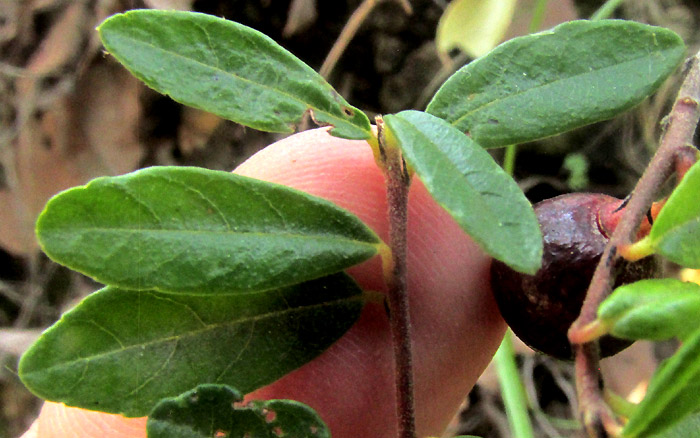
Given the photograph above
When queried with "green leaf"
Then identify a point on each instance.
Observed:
(652, 309)
(676, 231)
(474, 26)
(464, 179)
(228, 69)
(674, 392)
(210, 411)
(186, 229)
(122, 351)
(543, 84)
(687, 427)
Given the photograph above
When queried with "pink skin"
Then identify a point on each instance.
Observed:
(456, 324)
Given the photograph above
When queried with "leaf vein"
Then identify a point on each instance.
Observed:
(214, 326)
(536, 87)
(338, 120)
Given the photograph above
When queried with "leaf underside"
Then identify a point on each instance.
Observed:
(185, 229)
(228, 69)
(121, 351)
(478, 194)
(542, 84)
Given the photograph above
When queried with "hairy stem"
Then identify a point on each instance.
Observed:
(598, 419)
(398, 182)
(679, 132)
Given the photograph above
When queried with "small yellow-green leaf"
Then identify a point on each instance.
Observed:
(202, 231)
(474, 26)
(676, 231)
(228, 69)
(121, 351)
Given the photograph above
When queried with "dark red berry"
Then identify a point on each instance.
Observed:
(540, 308)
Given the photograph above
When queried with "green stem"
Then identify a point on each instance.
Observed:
(537, 16)
(512, 390)
(509, 159)
(606, 10)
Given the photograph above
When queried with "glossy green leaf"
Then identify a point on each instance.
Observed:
(652, 309)
(228, 69)
(474, 26)
(122, 351)
(210, 411)
(186, 229)
(464, 179)
(676, 231)
(543, 84)
(674, 392)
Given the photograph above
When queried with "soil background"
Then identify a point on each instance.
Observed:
(68, 113)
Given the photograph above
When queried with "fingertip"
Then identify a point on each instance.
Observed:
(32, 431)
(457, 327)
(57, 420)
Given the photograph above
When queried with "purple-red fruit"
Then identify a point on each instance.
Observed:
(540, 308)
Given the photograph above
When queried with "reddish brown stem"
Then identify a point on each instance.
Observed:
(398, 183)
(684, 160)
(683, 120)
(598, 419)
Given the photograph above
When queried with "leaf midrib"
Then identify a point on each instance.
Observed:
(548, 84)
(444, 156)
(232, 233)
(219, 70)
(207, 327)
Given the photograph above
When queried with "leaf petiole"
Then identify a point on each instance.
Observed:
(637, 250)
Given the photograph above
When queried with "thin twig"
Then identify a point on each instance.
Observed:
(683, 120)
(598, 419)
(348, 33)
(398, 183)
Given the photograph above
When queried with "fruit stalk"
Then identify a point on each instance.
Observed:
(683, 120)
(398, 182)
